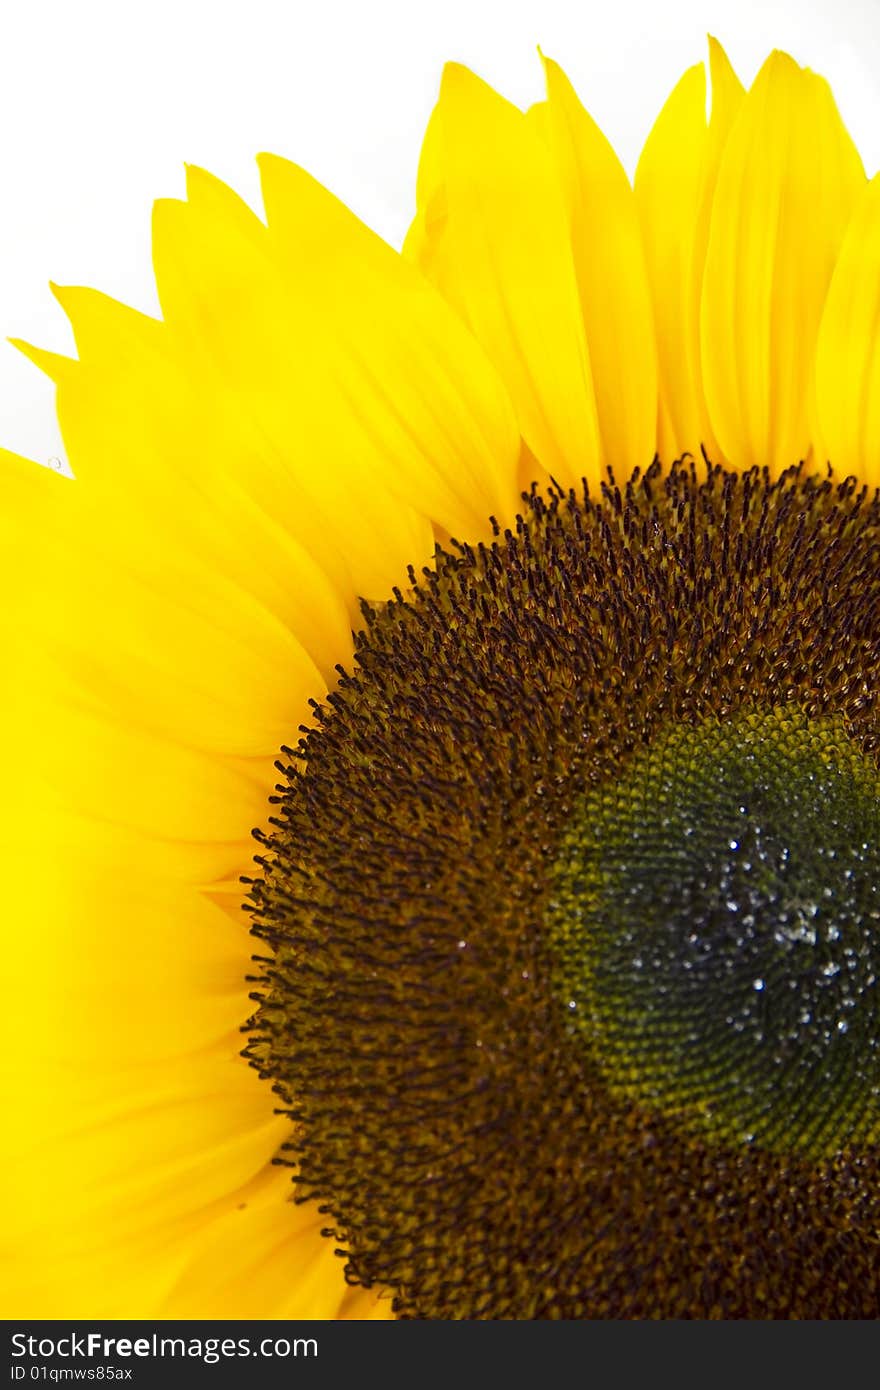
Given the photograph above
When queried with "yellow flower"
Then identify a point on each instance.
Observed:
(311, 415)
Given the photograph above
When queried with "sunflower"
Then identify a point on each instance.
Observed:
(520, 593)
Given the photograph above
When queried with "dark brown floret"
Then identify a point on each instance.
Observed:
(477, 1152)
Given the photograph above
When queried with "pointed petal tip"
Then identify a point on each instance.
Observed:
(462, 89)
(269, 160)
(54, 364)
(69, 296)
(282, 179)
(198, 179)
(778, 62)
(206, 188)
(551, 67)
(726, 89)
(457, 78)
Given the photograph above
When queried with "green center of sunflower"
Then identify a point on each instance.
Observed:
(625, 759)
(715, 914)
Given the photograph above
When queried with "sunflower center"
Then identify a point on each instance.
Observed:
(625, 758)
(716, 914)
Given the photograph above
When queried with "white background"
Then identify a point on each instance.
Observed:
(101, 102)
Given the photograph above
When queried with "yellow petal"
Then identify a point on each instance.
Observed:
(675, 182)
(119, 1254)
(141, 429)
(55, 364)
(269, 400)
(728, 94)
(366, 1305)
(167, 707)
(667, 188)
(611, 275)
(788, 182)
(266, 348)
(426, 242)
(125, 986)
(261, 1257)
(133, 1112)
(442, 428)
(848, 350)
(503, 258)
(232, 317)
(156, 975)
(727, 97)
